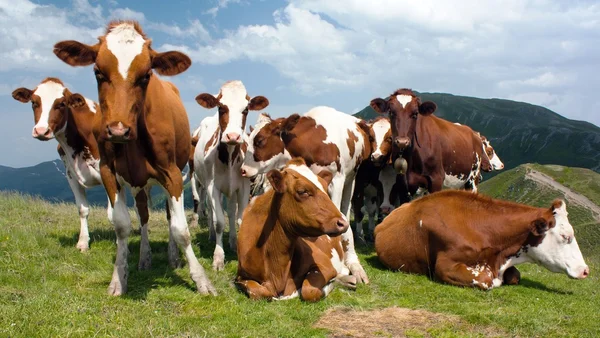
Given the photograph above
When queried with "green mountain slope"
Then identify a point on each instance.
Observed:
(520, 132)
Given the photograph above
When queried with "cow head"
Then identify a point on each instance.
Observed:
(233, 103)
(404, 108)
(382, 148)
(51, 103)
(266, 150)
(554, 245)
(304, 208)
(123, 65)
(495, 162)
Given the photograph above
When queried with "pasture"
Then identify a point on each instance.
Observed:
(48, 288)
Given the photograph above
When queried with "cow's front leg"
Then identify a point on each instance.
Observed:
(141, 205)
(350, 256)
(478, 275)
(317, 283)
(253, 289)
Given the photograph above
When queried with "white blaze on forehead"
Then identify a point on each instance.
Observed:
(91, 104)
(308, 174)
(404, 99)
(380, 128)
(48, 92)
(125, 43)
(233, 95)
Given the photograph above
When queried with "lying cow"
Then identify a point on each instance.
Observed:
(468, 239)
(289, 242)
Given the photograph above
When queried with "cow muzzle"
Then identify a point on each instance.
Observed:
(232, 138)
(118, 133)
(402, 143)
(377, 159)
(42, 133)
(341, 226)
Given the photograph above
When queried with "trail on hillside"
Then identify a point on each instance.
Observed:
(570, 195)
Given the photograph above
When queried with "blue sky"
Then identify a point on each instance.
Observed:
(303, 53)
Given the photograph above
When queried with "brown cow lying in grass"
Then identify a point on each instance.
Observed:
(467, 239)
(288, 243)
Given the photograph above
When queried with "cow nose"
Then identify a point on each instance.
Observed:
(585, 273)
(500, 167)
(342, 224)
(232, 137)
(243, 172)
(402, 142)
(118, 130)
(375, 157)
(385, 210)
(41, 132)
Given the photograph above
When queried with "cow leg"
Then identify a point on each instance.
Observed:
(357, 204)
(253, 289)
(141, 205)
(243, 196)
(180, 232)
(451, 272)
(122, 223)
(350, 256)
(83, 209)
(317, 283)
(218, 223)
(196, 197)
(511, 276)
(232, 206)
(172, 250)
(372, 211)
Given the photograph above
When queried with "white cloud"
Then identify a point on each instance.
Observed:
(220, 4)
(195, 30)
(127, 14)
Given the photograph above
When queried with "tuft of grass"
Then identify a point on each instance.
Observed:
(48, 288)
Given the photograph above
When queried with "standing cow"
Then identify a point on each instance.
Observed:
(437, 152)
(327, 140)
(469, 239)
(219, 155)
(143, 136)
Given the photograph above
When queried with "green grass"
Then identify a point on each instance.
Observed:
(48, 288)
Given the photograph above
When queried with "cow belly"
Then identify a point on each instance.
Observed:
(87, 172)
(455, 181)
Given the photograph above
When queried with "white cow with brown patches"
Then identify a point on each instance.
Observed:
(218, 157)
(327, 140)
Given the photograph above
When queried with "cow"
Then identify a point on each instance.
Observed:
(68, 118)
(437, 153)
(473, 240)
(219, 155)
(368, 190)
(495, 162)
(289, 242)
(327, 140)
(139, 135)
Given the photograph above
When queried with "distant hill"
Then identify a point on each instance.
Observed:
(520, 132)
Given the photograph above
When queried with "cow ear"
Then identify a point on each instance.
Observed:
(289, 123)
(22, 94)
(76, 101)
(207, 101)
(75, 53)
(427, 108)
(170, 63)
(540, 226)
(258, 103)
(327, 176)
(485, 162)
(275, 177)
(380, 105)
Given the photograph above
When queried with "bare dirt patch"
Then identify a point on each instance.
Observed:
(397, 322)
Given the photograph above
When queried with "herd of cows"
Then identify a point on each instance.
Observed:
(294, 238)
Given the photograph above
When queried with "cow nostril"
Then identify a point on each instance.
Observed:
(586, 272)
(108, 131)
(342, 223)
(243, 172)
(126, 133)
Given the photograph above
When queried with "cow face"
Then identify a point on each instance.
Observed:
(557, 249)
(382, 148)
(495, 161)
(266, 150)
(304, 208)
(404, 108)
(233, 103)
(123, 65)
(49, 107)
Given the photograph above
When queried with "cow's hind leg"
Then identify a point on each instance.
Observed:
(253, 289)
(122, 222)
(452, 272)
(141, 205)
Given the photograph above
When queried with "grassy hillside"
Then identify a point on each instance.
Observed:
(48, 288)
(520, 132)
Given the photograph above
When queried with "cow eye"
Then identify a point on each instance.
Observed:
(303, 192)
(414, 116)
(34, 105)
(99, 76)
(388, 139)
(145, 78)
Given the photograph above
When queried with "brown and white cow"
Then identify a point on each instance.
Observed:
(469, 239)
(438, 153)
(327, 140)
(68, 118)
(198, 192)
(289, 242)
(218, 158)
(495, 162)
(139, 135)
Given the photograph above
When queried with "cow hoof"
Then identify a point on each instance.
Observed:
(207, 288)
(193, 223)
(82, 246)
(346, 281)
(218, 264)
(357, 271)
(116, 289)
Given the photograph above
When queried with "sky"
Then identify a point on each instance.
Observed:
(304, 53)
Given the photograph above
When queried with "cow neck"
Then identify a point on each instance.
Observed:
(78, 140)
(227, 154)
(278, 244)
